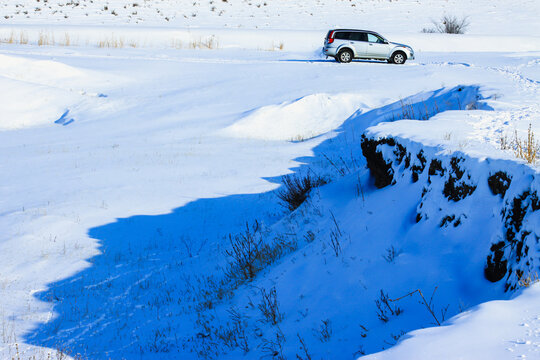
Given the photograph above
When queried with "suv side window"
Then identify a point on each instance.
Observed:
(374, 39)
(358, 36)
(343, 36)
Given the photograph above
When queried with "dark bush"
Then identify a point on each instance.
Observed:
(435, 168)
(448, 219)
(456, 188)
(297, 188)
(245, 253)
(380, 170)
(418, 169)
(249, 254)
(499, 183)
(495, 265)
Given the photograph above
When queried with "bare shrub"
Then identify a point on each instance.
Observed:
(249, 254)
(233, 335)
(335, 236)
(303, 347)
(449, 24)
(273, 348)
(269, 306)
(428, 304)
(324, 332)
(245, 251)
(391, 254)
(384, 309)
(278, 248)
(297, 188)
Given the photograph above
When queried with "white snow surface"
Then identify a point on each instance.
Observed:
(509, 329)
(124, 170)
(300, 119)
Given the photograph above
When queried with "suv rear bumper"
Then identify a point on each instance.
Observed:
(329, 51)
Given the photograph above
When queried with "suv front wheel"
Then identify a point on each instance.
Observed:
(398, 57)
(345, 56)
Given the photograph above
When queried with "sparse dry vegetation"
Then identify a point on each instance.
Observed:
(296, 189)
(529, 280)
(527, 148)
(269, 306)
(245, 253)
(45, 39)
(112, 42)
(208, 43)
(449, 24)
(249, 254)
(427, 304)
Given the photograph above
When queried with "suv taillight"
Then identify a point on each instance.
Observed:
(330, 38)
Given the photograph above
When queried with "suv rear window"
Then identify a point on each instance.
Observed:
(358, 36)
(342, 36)
(349, 35)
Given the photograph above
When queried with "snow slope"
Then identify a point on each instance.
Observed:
(411, 16)
(126, 172)
(509, 330)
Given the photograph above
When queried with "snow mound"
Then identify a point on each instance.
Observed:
(47, 72)
(297, 120)
(48, 88)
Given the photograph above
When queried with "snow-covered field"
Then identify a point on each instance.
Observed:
(133, 156)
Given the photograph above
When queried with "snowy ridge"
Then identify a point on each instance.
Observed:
(514, 235)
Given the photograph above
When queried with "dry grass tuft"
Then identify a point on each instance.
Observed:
(529, 280)
(296, 189)
(67, 40)
(15, 38)
(112, 42)
(208, 43)
(45, 39)
(527, 149)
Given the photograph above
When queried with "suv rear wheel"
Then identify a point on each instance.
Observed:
(398, 57)
(345, 56)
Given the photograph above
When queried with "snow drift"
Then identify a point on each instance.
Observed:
(297, 120)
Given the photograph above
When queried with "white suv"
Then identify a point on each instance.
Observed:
(347, 44)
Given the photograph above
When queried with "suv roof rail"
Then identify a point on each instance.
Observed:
(368, 31)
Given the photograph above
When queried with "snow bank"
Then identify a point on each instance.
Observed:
(297, 120)
(489, 331)
(49, 89)
(259, 39)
